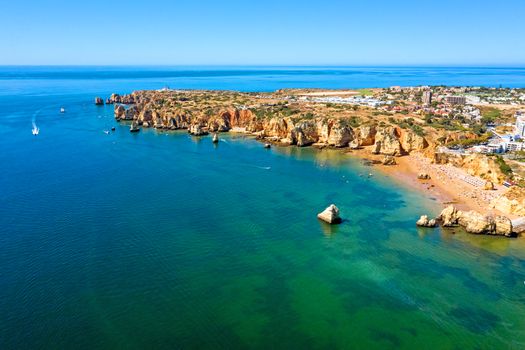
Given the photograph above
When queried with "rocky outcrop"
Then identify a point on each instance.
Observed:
(387, 142)
(512, 202)
(120, 112)
(389, 160)
(423, 176)
(424, 221)
(131, 113)
(364, 136)
(304, 134)
(503, 226)
(116, 98)
(475, 164)
(99, 101)
(123, 113)
(278, 128)
(134, 126)
(484, 167)
(476, 223)
(412, 142)
(334, 132)
(449, 216)
(153, 109)
(330, 215)
(197, 130)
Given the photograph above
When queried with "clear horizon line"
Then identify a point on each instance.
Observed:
(519, 66)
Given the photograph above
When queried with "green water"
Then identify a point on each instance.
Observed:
(219, 246)
(161, 240)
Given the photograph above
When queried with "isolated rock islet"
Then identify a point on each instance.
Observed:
(330, 215)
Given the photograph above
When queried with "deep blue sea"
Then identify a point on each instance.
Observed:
(162, 240)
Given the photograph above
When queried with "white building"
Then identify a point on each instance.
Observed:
(513, 146)
(427, 97)
(520, 124)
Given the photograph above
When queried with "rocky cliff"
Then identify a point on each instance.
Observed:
(474, 164)
(152, 110)
(512, 202)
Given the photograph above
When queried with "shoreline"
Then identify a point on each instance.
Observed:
(444, 187)
(445, 184)
(398, 145)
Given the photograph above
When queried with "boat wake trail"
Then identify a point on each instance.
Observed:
(35, 130)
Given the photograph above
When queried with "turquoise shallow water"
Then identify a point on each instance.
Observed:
(161, 240)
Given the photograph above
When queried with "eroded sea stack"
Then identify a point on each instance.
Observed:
(330, 215)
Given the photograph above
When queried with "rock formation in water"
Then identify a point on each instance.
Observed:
(330, 215)
(197, 130)
(99, 101)
(424, 221)
(476, 223)
(449, 216)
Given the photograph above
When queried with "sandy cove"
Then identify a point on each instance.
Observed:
(446, 184)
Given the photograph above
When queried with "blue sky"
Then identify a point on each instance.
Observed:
(329, 32)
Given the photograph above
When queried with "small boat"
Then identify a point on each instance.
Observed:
(106, 132)
(113, 128)
(62, 110)
(35, 130)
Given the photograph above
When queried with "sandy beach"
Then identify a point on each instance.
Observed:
(447, 184)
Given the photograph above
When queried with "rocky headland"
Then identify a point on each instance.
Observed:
(284, 118)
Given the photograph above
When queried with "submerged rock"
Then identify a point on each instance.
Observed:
(330, 215)
(424, 221)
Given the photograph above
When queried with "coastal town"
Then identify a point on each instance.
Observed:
(463, 145)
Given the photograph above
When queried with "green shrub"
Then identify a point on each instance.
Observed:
(504, 167)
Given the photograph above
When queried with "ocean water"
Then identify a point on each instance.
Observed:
(162, 240)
